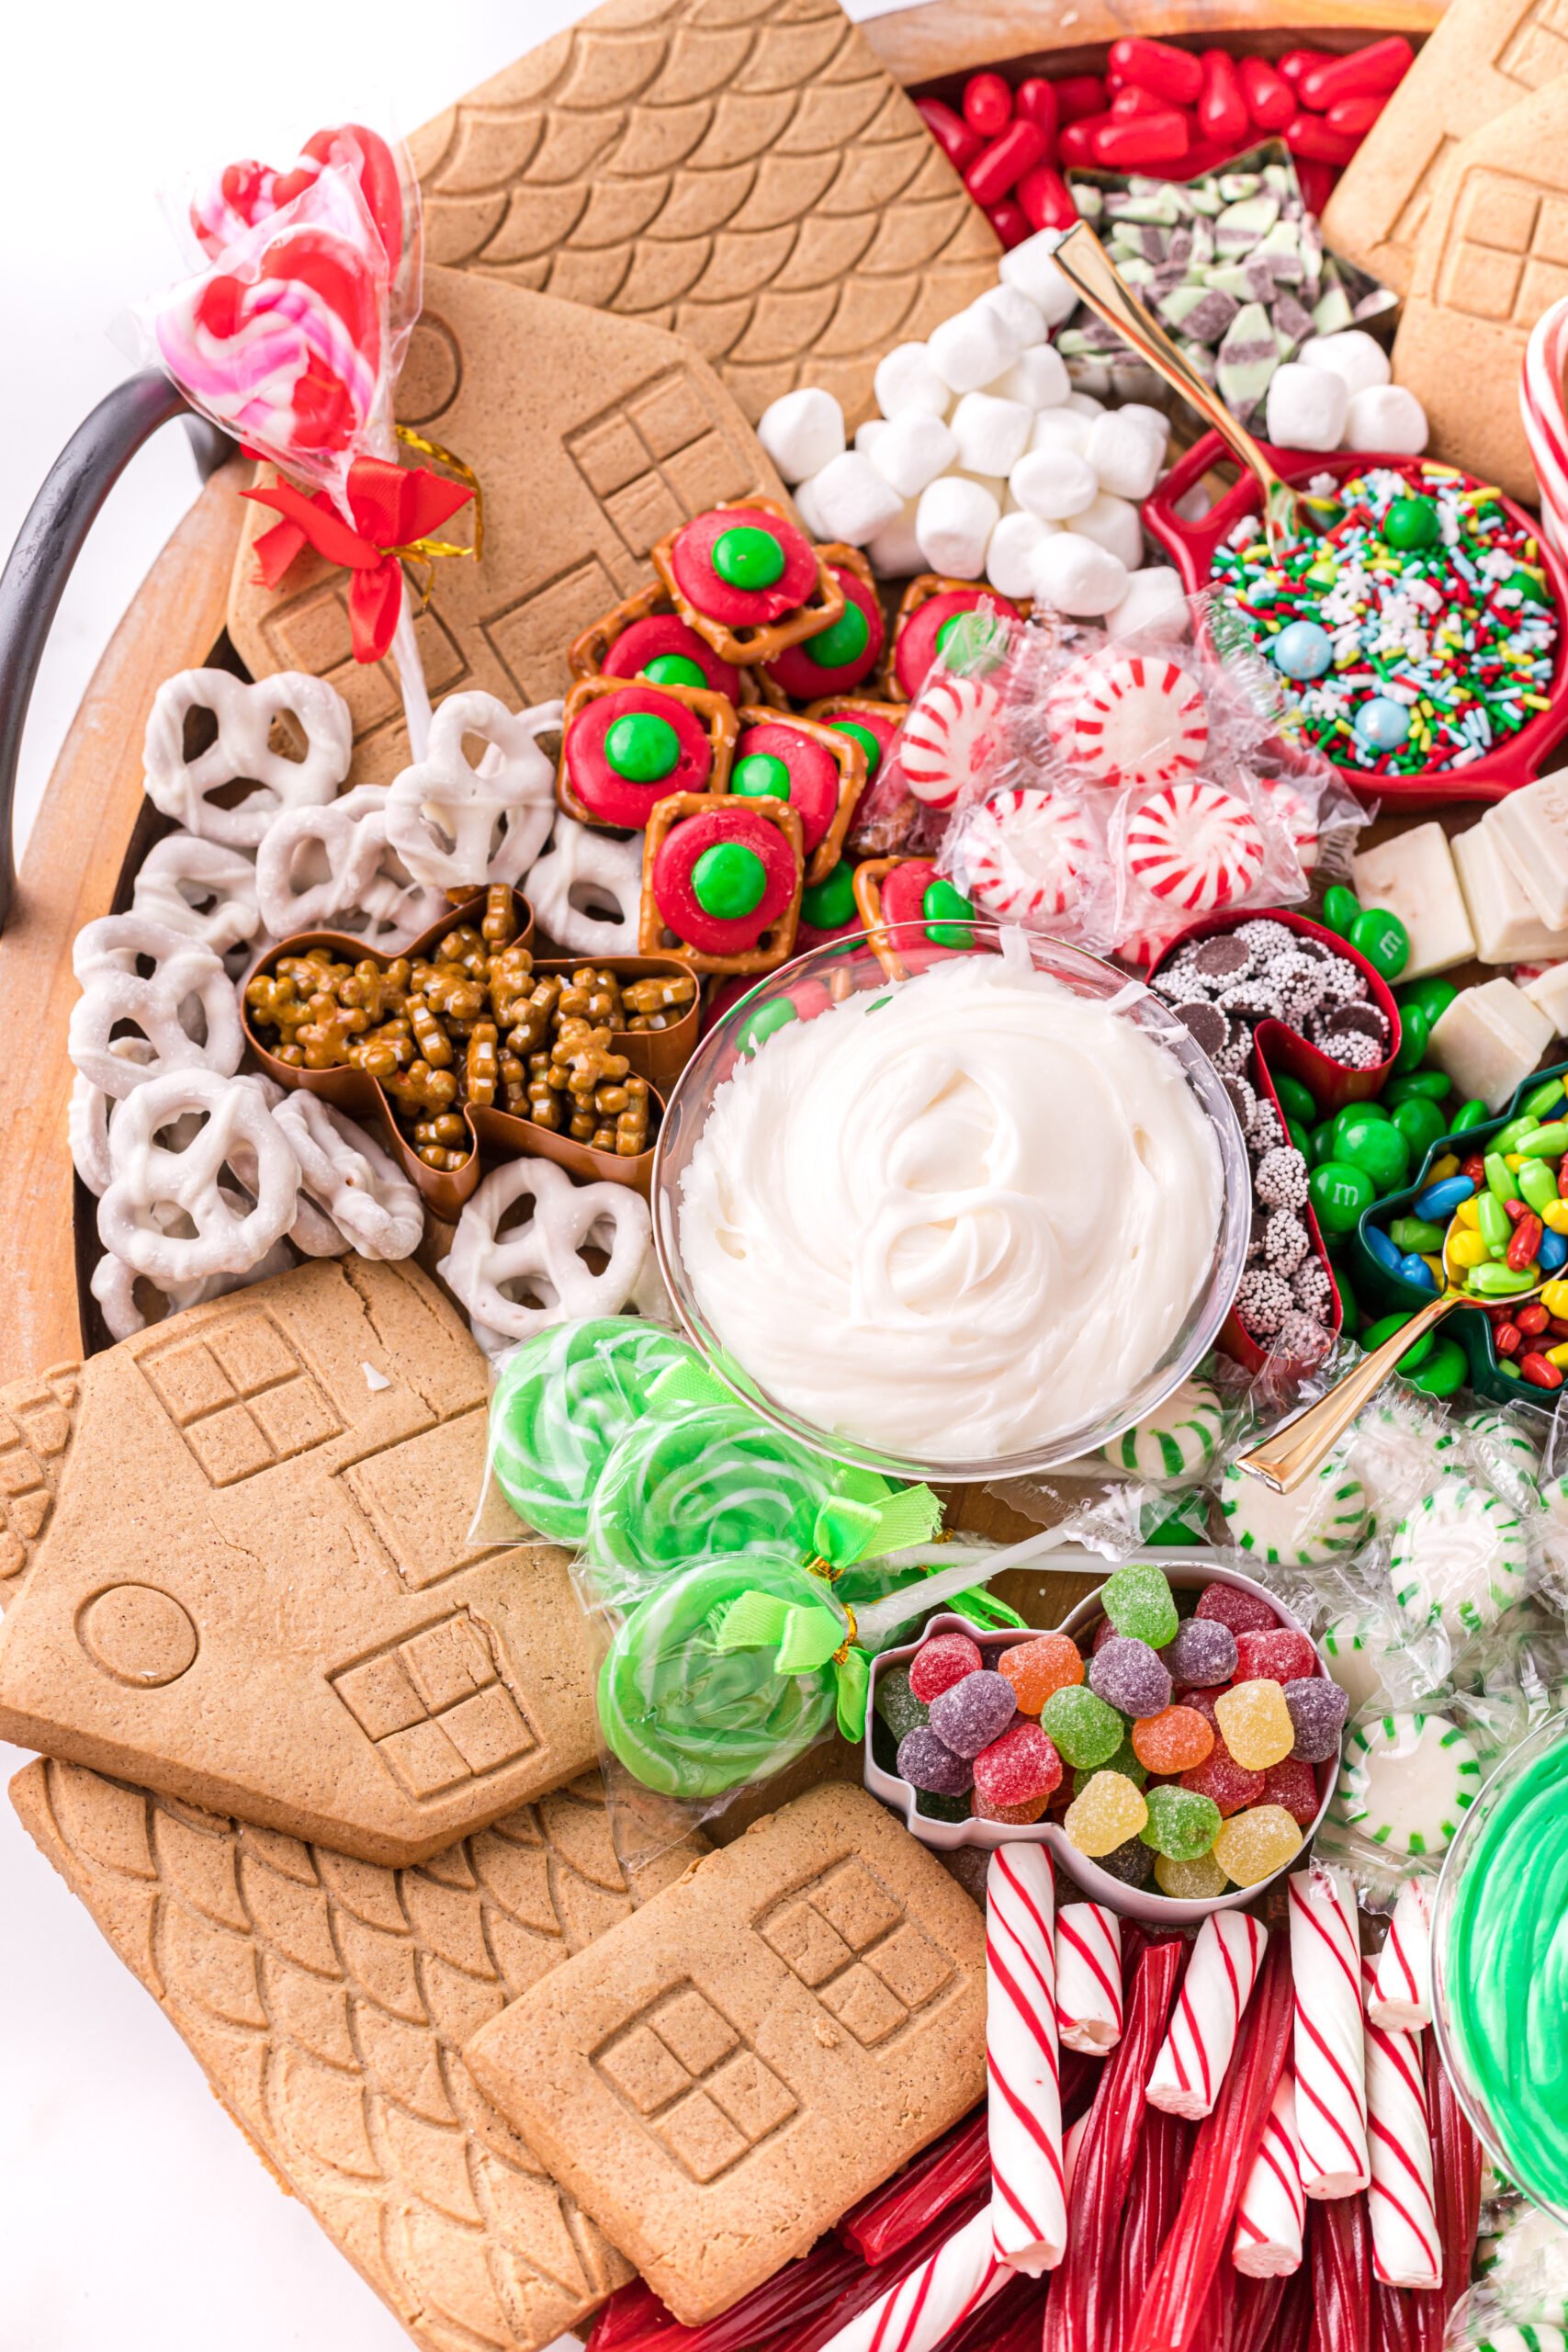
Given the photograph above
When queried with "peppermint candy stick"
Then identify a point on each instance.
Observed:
(1546, 424)
(1270, 2221)
(1401, 1998)
(936, 2297)
(1407, 2251)
(1191, 2063)
(1088, 1978)
(1330, 2069)
(1029, 2200)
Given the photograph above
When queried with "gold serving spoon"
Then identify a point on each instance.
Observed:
(1289, 515)
(1298, 1446)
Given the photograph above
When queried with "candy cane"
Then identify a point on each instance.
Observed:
(1407, 2251)
(1401, 1998)
(1088, 1978)
(1545, 422)
(914, 2316)
(1197, 2050)
(1331, 2067)
(1029, 2199)
(1270, 2221)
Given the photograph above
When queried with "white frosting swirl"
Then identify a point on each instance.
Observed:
(956, 1218)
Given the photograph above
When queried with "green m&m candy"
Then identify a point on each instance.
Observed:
(642, 747)
(1414, 1032)
(843, 641)
(1411, 523)
(1383, 939)
(1433, 995)
(673, 670)
(1436, 1084)
(1445, 1371)
(1295, 1100)
(754, 1028)
(1376, 1147)
(864, 737)
(826, 905)
(1340, 907)
(748, 556)
(1341, 1191)
(760, 776)
(1421, 1123)
(947, 915)
(728, 880)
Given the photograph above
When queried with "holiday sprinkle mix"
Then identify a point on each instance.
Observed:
(1418, 628)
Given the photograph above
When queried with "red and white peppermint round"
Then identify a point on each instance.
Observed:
(1329, 2062)
(1291, 809)
(1546, 422)
(1194, 845)
(1088, 1978)
(1401, 1998)
(1023, 2110)
(1270, 2221)
(1197, 2049)
(949, 738)
(1023, 852)
(1128, 718)
(1401, 2205)
(924, 2307)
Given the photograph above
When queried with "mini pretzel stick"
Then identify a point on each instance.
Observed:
(1220, 1975)
(1029, 2206)
(924, 2307)
(1088, 1978)
(1401, 1998)
(1330, 2068)
(1403, 2203)
(1270, 2221)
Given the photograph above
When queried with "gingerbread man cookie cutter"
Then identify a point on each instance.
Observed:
(587, 890)
(202, 888)
(458, 826)
(493, 1274)
(185, 1007)
(321, 867)
(351, 1179)
(153, 1185)
(184, 788)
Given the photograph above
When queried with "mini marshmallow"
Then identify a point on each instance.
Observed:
(1083, 404)
(1154, 605)
(1020, 317)
(992, 435)
(913, 449)
(1055, 484)
(954, 524)
(1153, 420)
(1124, 453)
(1352, 355)
(850, 499)
(1032, 267)
(1307, 407)
(806, 507)
(1009, 557)
(802, 432)
(1075, 576)
(1114, 523)
(868, 434)
(894, 554)
(905, 378)
(1038, 378)
(968, 350)
(1062, 428)
(1386, 416)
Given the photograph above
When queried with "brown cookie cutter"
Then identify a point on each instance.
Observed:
(716, 712)
(744, 647)
(920, 590)
(657, 1054)
(777, 942)
(589, 651)
(848, 757)
(837, 554)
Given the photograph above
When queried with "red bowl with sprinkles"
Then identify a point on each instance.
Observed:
(1521, 756)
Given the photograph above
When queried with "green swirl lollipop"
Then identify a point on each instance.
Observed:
(563, 1400)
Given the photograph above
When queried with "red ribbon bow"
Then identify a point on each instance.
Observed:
(395, 508)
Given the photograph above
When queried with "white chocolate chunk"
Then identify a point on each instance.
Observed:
(1507, 926)
(1550, 991)
(1412, 877)
(1489, 1040)
(1530, 828)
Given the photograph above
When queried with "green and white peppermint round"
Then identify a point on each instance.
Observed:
(1554, 1500)
(1395, 1448)
(1327, 1514)
(1355, 1642)
(1509, 1458)
(1407, 1780)
(1530, 2336)
(1459, 1559)
(1178, 1439)
(1522, 2236)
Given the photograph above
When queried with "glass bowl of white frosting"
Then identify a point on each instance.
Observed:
(965, 1223)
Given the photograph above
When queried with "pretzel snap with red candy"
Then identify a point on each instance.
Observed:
(930, 609)
(642, 638)
(749, 580)
(724, 879)
(629, 745)
(842, 656)
(820, 771)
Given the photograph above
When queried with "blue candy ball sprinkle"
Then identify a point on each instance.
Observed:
(1303, 650)
(1383, 723)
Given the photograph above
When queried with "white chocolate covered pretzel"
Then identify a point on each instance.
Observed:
(332, 868)
(587, 889)
(492, 1273)
(236, 1180)
(185, 1007)
(351, 1179)
(456, 826)
(242, 753)
(114, 1285)
(200, 888)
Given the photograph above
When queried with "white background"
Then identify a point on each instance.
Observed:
(135, 2215)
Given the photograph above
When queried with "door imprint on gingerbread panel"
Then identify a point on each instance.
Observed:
(436, 1709)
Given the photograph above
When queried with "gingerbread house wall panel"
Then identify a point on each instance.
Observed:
(258, 1590)
(591, 436)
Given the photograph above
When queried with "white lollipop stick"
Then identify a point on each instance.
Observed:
(1088, 1978)
(410, 676)
(1401, 1998)
(1271, 2218)
(915, 2316)
(1203, 2026)
(1023, 2112)
(1330, 2069)
(1402, 2205)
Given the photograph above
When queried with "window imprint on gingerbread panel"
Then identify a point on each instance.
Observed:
(1535, 51)
(1508, 259)
(688, 2076)
(655, 460)
(848, 1938)
(434, 1708)
(240, 1396)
